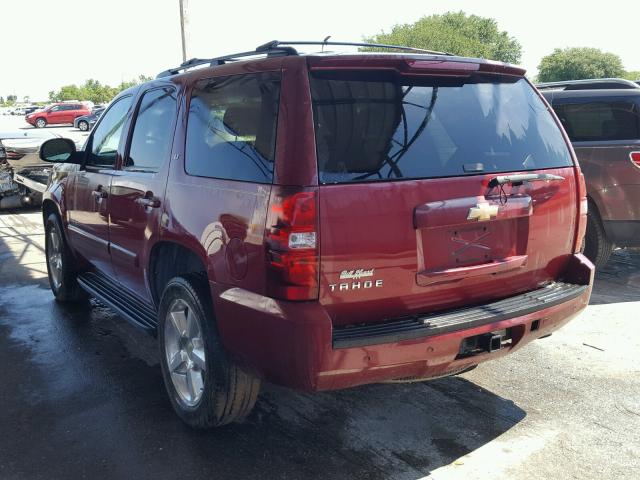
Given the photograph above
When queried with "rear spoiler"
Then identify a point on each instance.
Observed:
(414, 65)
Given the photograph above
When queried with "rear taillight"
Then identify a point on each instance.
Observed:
(635, 158)
(292, 244)
(582, 215)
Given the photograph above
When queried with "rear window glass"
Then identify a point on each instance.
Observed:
(371, 126)
(600, 121)
(231, 131)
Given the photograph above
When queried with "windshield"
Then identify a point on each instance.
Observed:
(372, 126)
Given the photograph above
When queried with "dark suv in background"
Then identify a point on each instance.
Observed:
(589, 84)
(322, 221)
(604, 127)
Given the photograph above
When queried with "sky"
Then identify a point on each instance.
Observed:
(45, 44)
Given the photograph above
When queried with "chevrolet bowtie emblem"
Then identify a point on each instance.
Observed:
(482, 212)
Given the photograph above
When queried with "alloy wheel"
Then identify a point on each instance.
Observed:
(185, 353)
(54, 253)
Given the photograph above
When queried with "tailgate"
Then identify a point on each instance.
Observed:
(408, 222)
(400, 248)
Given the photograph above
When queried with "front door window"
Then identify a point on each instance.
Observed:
(103, 147)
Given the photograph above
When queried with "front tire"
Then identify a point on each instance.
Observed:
(62, 276)
(83, 125)
(205, 387)
(41, 123)
(597, 246)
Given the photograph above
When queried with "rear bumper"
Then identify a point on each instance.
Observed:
(293, 344)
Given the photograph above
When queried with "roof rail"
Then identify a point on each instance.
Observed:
(213, 62)
(278, 48)
(588, 83)
(278, 43)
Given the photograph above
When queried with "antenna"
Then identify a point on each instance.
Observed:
(324, 42)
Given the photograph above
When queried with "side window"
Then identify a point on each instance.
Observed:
(106, 136)
(600, 121)
(231, 130)
(152, 133)
(55, 109)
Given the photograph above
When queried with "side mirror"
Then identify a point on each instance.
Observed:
(59, 150)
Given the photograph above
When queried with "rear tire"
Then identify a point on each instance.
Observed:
(63, 278)
(597, 246)
(205, 387)
(41, 123)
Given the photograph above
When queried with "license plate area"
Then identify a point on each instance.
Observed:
(472, 245)
(450, 237)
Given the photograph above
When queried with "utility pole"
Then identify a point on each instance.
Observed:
(184, 22)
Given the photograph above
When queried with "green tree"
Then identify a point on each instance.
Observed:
(70, 92)
(92, 90)
(455, 32)
(579, 63)
(632, 75)
(131, 83)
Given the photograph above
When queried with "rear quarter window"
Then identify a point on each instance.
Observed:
(231, 129)
(600, 121)
(375, 127)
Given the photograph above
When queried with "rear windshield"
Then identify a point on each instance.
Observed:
(371, 126)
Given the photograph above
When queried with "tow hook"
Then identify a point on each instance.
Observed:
(490, 342)
(485, 343)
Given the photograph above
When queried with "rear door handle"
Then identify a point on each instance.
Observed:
(148, 201)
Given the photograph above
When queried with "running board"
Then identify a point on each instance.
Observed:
(128, 306)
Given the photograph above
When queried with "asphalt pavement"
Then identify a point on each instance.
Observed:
(81, 396)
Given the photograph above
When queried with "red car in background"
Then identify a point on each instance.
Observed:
(58, 113)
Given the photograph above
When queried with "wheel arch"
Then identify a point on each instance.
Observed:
(168, 259)
(49, 207)
(593, 206)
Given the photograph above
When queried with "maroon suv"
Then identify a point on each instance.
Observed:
(604, 126)
(322, 221)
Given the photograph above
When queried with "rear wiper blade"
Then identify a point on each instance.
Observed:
(520, 178)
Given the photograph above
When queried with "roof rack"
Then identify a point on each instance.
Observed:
(213, 62)
(277, 43)
(276, 48)
(589, 83)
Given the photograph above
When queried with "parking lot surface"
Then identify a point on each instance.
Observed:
(82, 397)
